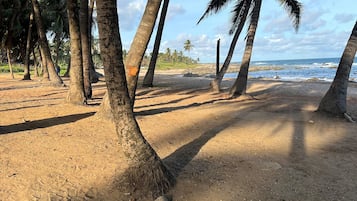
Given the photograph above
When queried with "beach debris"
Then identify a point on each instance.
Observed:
(349, 118)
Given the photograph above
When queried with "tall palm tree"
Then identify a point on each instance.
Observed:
(239, 18)
(187, 46)
(139, 45)
(334, 101)
(146, 174)
(149, 76)
(45, 52)
(240, 85)
(135, 54)
(76, 89)
(240, 14)
(27, 75)
(86, 47)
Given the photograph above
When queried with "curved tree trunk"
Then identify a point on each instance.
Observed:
(76, 88)
(137, 51)
(149, 76)
(216, 83)
(334, 101)
(147, 175)
(240, 85)
(46, 53)
(27, 75)
(86, 52)
(139, 45)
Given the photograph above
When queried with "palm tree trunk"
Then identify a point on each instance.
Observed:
(27, 75)
(240, 85)
(76, 88)
(216, 83)
(139, 45)
(146, 174)
(8, 53)
(94, 77)
(334, 101)
(54, 78)
(149, 76)
(86, 52)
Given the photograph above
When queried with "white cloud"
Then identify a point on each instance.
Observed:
(130, 13)
(344, 18)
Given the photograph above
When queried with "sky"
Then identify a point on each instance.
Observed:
(323, 33)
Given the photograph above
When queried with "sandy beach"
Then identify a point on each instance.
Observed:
(271, 145)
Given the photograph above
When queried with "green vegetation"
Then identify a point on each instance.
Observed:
(16, 68)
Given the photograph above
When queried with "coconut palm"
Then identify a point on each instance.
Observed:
(45, 50)
(146, 173)
(76, 89)
(334, 101)
(239, 18)
(149, 76)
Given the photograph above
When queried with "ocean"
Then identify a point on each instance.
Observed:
(322, 69)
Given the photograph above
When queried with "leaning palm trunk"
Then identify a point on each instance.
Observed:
(240, 85)
(149, 76)
(76, 88)
(46, 53)
(334, 101)
(216, 83)
(136, 53)
(147, 175)
(139, 45)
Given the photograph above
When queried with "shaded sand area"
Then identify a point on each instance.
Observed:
(270, 147)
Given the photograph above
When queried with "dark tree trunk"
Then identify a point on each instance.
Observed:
(94, 77)
(27, 75)
(147, 175)
(8, 53)
(149, 76)
(54, 78)
(76, 88)
(334, 101)
(37, 73)
(217, 56)
(216, 83)
(86, 51)
(240, 85)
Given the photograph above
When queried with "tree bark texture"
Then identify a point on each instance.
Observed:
(147, 173)
(86, 49)
(334, 101)
(76, 88)
(139, 45)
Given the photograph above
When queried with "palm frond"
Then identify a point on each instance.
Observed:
(294, 7)
(213, 7)
(240, 12)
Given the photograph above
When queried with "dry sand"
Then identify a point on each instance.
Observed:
(270, 147)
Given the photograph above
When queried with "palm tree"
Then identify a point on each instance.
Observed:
(136, 54)
(139, 45)
(187, 46)
(239, 18)
(27, 75)
(240, 85)
(334, 101)
(146, 173)
(240, 15)
(86, 48)
(45, 52)
(76, 89)
(149, 76)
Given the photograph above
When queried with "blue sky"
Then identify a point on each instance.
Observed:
(324, 30)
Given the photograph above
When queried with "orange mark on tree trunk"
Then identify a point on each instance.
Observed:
(133, 70)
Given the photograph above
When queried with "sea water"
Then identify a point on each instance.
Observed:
(322, 69)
